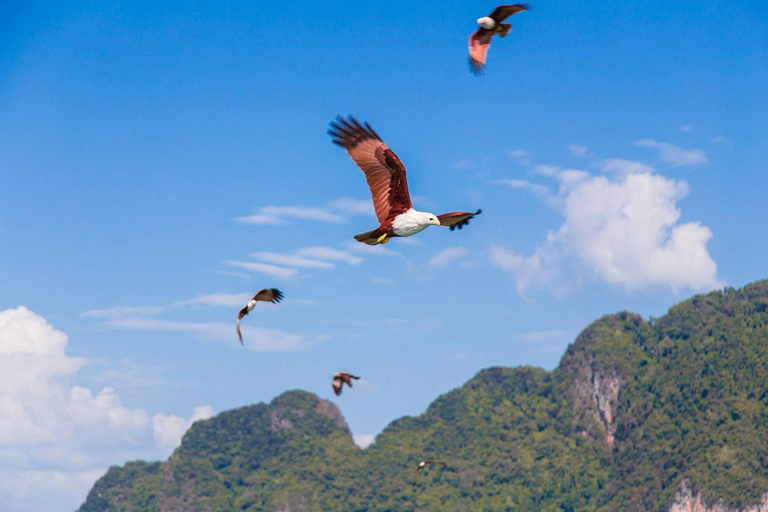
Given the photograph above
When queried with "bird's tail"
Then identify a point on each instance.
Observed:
(370, 237)
(503, 29)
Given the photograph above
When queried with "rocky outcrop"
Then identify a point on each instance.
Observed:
(686, 500)
(595, 396)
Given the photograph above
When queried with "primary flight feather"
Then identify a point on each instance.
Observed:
(386, 178)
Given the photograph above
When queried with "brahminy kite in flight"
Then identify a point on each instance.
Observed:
(385, 174)
(490, 25)
(340, 378)
(272, 295)
(422, 465)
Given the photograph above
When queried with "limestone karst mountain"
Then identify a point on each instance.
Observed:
(667, 415)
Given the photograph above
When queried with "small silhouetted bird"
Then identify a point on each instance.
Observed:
(492, 24)
(272, 295)
(340, 378)
(424, 464)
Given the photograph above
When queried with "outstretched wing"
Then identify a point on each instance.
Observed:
(455, 220)
(478, 48)
(503, 12)
(384, 172)
(272, 295)
(240, 315)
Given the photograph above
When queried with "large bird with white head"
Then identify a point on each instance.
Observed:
(272, 295)
(385, 174)
(492, 24)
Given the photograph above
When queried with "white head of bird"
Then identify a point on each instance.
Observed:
(422, 464)
(486, 22)
(249, 307)
(413, 221)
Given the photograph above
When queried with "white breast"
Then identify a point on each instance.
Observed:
(486, 22)
(408, 223)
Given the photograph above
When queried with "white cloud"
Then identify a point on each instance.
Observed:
(364, 440)
(722, 140)
(382, 281)
(168, 429)
(291, 260)
(674, 155)
(576, 150)
(446, 257)
(57, 438)
(229, 300)
(281, 214)
(329, 254)
(354, 206)
(546, 170)
(122, 311)
(623, 230)
(620, 165)
(264, 268)
(521, 155)
(539, 190)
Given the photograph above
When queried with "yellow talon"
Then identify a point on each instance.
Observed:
(383, 239)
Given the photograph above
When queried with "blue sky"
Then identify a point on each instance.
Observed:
(161, 163)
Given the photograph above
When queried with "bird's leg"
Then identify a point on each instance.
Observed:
(383, 239)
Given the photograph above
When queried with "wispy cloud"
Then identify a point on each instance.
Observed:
(576, 150)
(256, 338)
(446, 257)
(674, 155)
(291, 260)
(521, 155)
(229, 300)
(353, 206)
(330, 254)
(722, 140)
(686, 128)
(282, 214)
(264, 268)
(122, 311)
(621, 165)
(539, 190)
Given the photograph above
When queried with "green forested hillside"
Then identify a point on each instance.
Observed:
(633, 409)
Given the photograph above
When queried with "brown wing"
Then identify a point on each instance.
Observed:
(240, 315)
(337, 385)
(503, 12)
(478, 48)
(384, 172)
(455, 220)
(272, 295)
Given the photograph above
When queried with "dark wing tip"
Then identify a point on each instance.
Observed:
(348, 133)
(476, 67)
(277, 295)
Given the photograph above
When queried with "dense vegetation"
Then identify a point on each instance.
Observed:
(633, 409)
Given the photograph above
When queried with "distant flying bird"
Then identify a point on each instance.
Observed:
(385, 174)
(272, 295)
(339, 378)
(490, 25)
(422, 465)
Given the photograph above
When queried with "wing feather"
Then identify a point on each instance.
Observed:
(384, 171)
(479, 42)
(272, 295)
(456, 220)
(502, 12)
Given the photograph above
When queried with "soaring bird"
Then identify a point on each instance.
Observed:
(385, 174)
(272, 295)
(339, 378)
(490, 25)
(422, 465)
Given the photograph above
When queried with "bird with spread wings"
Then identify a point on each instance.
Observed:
(341, 378)
(272, 295)
(385, 174)
(424, 464)
(492, 24)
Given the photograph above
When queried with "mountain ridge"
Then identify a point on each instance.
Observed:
(662, 415)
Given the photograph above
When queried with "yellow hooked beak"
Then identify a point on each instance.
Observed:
(436, 222)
